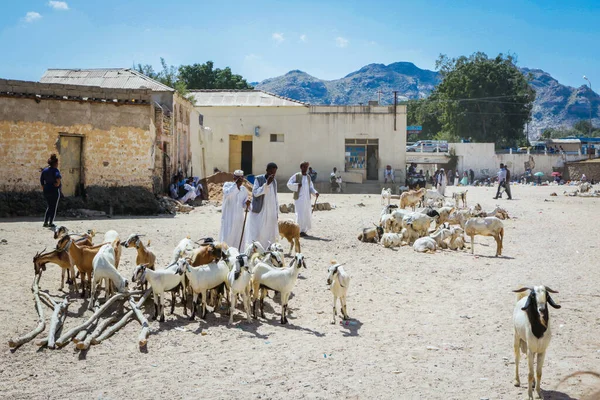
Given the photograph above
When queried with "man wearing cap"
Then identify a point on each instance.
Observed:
(235, 201)
(302, 186)
(262, 222)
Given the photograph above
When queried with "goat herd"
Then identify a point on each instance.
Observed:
(210, 270)
(441, 224)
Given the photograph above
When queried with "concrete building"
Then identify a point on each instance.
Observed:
(177, 124)
(246, 129)
(103, 137)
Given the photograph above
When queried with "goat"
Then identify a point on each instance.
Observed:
(532, 332)
(425, 245)
(440, 235)
(203, 278)
(338, 281)
(207, 253)
(84, 240)
(184, 249)
(456, 240)
(458, 197)
(489, 226)
(104, 269)
(391, 239)
(81, 256)
(459, 217)
(282, 280)
(371, 235)
(291, 231)
(60, 258)
(145, 255)
(412, 198)
(386, 196)
(109, 237)
(161, 281)
(419, 222)
(239, 283)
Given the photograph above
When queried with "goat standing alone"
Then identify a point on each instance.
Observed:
(488, 226)
(532, 332)
(291, 231)
(338, 281)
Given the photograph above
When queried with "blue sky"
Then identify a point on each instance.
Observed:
(326, 38)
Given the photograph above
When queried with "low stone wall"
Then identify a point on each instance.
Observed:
(128, 200)
(590, 169)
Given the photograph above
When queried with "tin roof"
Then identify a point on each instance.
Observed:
(241, 98)
(113, 78)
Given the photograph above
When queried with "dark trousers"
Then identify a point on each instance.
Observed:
(500, 186)
(506, 187)
(52, 196)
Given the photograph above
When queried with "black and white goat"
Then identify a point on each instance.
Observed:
(532, 331)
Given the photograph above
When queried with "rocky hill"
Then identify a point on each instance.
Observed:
(556, 105)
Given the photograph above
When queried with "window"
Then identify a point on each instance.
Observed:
(276, 137)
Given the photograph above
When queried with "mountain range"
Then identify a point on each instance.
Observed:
(555, 106)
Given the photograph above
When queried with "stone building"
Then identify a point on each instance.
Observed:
(176, 119)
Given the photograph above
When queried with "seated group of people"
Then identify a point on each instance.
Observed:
(185, 189)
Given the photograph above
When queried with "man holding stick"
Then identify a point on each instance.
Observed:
(302, 186)
(262, 223)
(235, 201)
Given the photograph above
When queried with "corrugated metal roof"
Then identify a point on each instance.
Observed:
(113, 78)
(241, 98)
(564, 141)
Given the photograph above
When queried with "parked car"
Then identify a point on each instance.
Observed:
(430, 146)
(538, 148)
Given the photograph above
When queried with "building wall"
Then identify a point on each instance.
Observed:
(482, 158)
(316, 134)
(117, 147)
(591, 170)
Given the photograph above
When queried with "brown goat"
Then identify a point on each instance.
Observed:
(291, 231)
(207, 253)
(84, 240)
(60, 258)
(81, 256)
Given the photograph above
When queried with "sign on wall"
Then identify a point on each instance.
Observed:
(414, 129)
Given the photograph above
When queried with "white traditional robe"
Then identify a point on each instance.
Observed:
(233, 211)
(442, 180)
(190, 195)
(303, 204)
(262, 226)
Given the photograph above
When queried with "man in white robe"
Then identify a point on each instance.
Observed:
(302, 186)
(191, 193)
(235, 204)
(442, 181)
(262, 221)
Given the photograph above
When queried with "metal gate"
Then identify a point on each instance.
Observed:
(70, 164)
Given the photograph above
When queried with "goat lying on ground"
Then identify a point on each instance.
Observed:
(425, 245)
(371, 235)
(532, 332)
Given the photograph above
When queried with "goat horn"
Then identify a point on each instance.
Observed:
(523, 289)
(550, 290)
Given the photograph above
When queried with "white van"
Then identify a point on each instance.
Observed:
(431, 146)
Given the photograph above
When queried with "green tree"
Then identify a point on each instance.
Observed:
(168, 76)
(424, 113)
(583, 129)
(205, 76)
(485, 99)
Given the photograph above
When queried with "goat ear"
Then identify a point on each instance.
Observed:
(527, 302)
(551, 302)
(550, 290)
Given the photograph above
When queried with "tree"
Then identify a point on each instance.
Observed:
(168, 76)
(204, 76)
(424, 113)
(486, 99)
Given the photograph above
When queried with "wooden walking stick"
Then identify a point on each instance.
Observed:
(243, 228)
(314, 205)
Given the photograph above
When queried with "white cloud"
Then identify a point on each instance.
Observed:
(341, 42)
(58, 5)
(278, 37)
(32, 16)
(303, 38)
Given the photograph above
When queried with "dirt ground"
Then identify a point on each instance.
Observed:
(427, 326)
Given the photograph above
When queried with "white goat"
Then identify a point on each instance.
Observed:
(456, 240)
(104, 269)
(425, 245)
(161, 281)
(391, 239)
(532, 332)
(265, 277)
(109, 237)
(338, 281)
(386, 196)
(440, 235)
(488, 226)
(183, 249)
(203, 278)
(419, 222)
(239, 283)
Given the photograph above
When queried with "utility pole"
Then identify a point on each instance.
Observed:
(591, 94)
(379, 96)
(395, 106)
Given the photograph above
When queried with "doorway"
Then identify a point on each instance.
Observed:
(240, 153)
(372, 162)
(166, 167)
(247, 157)
(70, 154)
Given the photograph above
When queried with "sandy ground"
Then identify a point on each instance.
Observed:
(435, 326)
